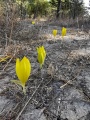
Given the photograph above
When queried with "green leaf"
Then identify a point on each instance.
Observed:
(16, 82)
(19, 83)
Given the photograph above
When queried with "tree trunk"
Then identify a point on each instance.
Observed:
(22, 10)
(75, 9)
(58, 8)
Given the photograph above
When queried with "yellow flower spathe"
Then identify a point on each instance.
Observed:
(54, 32)
(64, 31)
(33, 22)
(41, 55)
(23, 70)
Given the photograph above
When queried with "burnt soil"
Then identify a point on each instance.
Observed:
(63, 91)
